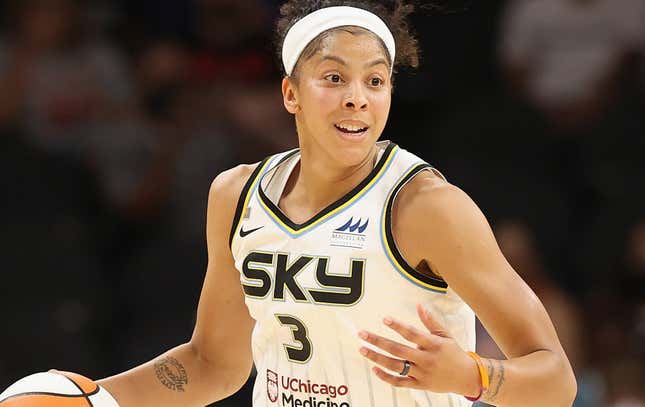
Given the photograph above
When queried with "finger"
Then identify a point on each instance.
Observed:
(392, 364)
(390, 346)
(430, 322)
(409, 332)
(396, 381)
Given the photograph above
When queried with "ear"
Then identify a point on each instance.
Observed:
(289, 96)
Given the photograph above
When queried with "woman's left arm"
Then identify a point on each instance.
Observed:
(445, 228)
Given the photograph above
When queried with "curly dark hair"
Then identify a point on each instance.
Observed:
(394, 13)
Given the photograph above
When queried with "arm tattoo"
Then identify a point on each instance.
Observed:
(500, 381)
(491, 370)
(171, 373)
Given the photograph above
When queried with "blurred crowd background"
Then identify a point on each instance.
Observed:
(115, 116)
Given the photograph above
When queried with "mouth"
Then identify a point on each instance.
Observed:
(352, 127)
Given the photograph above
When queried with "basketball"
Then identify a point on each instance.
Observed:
(56, 389)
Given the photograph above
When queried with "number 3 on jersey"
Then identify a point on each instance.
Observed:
(301, 353)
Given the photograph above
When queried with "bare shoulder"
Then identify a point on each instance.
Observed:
(430, 195)
(433, 216)
(223, 197)
(229, 184)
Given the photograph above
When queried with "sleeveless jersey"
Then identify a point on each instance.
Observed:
(312, 287)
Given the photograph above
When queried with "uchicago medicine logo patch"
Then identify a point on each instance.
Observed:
(297, 392)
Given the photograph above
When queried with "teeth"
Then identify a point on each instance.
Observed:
(351, 128)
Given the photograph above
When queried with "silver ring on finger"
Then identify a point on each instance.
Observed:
(406, 368)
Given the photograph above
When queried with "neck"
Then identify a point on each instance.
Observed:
(318, 181)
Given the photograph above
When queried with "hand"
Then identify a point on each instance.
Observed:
(437, 364)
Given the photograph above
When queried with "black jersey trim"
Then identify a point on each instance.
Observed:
(433, 282)
(351, 195)
(239, 209)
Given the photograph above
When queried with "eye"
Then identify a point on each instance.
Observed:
(376, 82)
(335, 78)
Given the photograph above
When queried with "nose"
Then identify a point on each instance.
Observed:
(355, 99)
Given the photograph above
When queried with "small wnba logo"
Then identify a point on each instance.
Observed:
(272, 386)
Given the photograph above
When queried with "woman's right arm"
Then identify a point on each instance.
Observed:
(217, 360)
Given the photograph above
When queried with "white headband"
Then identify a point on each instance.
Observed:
(312, 25)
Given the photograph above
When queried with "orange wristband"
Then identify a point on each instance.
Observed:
(483, 374)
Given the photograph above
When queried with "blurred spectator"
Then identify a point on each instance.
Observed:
(134, 154)
(518, 245)
(53, 291)
(575, 62)
(231, 42)
(155, 167)
(568, 57)
(55, 80)
(520, 248)
(248, 110)
(625, 382)
(615, 313)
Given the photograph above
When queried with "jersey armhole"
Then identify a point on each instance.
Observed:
(243, 200)
(400, 264)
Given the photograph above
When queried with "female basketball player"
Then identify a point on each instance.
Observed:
(361, 267)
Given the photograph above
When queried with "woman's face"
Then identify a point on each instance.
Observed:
(342, 97)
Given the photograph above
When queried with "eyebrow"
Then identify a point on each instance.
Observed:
(344, 63)
(334, 58)
(376, 62)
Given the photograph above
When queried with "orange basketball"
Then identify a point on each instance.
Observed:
(56, 389)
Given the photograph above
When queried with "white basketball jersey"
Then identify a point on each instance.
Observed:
(312, 287)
